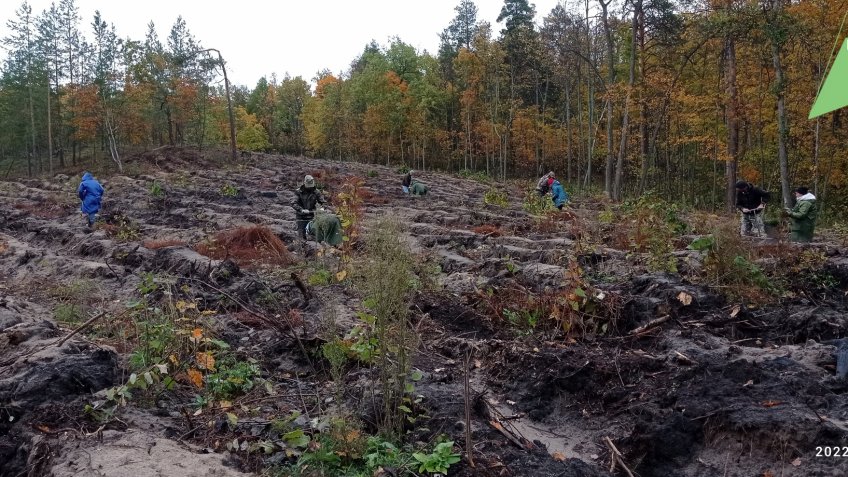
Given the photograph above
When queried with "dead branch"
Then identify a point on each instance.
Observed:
(651, 324)
(80, 328)
(468, 444)
(302, 287)
(616, 457)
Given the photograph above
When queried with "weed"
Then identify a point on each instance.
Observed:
(319, 277)
(156, 190)
(350, 210)
(729, 266)
(231, 378)
(372, 173)
(229, 191)
(653, 225)
(386, 283)
(344, 450)
(577, 309)
(122, 229)
(496, 197)
(535, 205)
(68, 313)
(75, 291)
(439, 460)
(474, 175)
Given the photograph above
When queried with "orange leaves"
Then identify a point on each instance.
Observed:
(195, 377)
(84, 104)
(205, 360)
(323, 83)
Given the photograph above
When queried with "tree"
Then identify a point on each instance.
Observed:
(26, 68)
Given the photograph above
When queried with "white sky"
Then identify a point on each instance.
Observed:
(260, 37)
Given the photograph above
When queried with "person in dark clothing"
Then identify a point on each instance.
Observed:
(306, 199)
(90, 193)
(407, 181)
(751, 201)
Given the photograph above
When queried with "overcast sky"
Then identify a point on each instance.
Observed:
(260, 37)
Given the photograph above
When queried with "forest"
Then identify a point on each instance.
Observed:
(677, 98)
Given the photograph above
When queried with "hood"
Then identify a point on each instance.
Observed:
(556, 183)
(807, 196)
(87, 176)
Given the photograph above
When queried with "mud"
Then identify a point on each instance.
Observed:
(719, 388)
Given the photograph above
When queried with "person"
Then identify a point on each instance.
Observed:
(558, 194)
(751, 201)
(90, 193)
(325, 227)
(306, 199)
(407, 181)
(544, 183)
(802, 217)
(417, 188)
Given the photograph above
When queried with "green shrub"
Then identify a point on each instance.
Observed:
(229, 190)
(496, 197)
(231, 378)
(68, 313)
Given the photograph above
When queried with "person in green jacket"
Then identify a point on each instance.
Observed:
(802, 217)
(418, 188)
(325, 227)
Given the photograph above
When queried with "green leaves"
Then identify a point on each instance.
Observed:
(439, 461)
(702, 244)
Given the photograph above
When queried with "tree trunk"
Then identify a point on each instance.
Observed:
(608, 172)
(779, 91)
(625, 120)
(731, 113)
(49, 133)
(32, 130)
(568, 131)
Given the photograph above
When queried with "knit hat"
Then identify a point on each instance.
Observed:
(802, 190)
(741, 185)
(309, 182)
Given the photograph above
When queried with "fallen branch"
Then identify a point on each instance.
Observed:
(651, 324)
(80, 328)
(685, 359)
(617, 458)
(302, 287)
(496, 420)
(468, 444)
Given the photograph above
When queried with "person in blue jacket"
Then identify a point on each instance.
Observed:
(558, 194)
(90, 192)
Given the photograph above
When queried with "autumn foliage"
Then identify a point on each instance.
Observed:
(246, 246)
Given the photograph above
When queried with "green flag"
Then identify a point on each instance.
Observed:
(834, 92)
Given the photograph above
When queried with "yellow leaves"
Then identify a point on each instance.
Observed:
(558, 456)
(341, 275)
(205, 360)
(684, 298)
(183, 306)
(196, 378)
